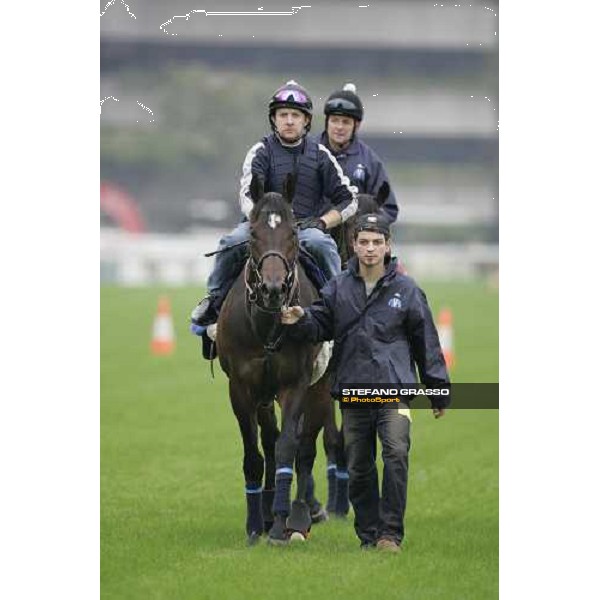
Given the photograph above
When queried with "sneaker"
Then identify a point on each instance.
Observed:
(388, 545)
(204, 314)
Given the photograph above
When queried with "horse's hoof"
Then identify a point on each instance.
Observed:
(320, 516)
(299, 519)
(267, 526)
(298, 536)
(278, 536)
(341, 515)
(253, 538)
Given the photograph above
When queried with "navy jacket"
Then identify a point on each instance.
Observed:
(318, 175)
(379, 340)
(366, 171)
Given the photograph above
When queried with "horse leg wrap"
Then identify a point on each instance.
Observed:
(254, 516)
(267, 508)
(331, 485)
(317, 514)
(342, 505)
(283, 486)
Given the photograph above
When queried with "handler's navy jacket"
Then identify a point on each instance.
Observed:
(318, 175)
(380, 339)
(366, 171)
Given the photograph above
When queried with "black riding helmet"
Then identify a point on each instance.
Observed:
(291, 95)
(345, 102)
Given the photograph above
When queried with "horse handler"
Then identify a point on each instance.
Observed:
(383, 329)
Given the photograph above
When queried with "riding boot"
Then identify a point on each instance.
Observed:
(206, 312)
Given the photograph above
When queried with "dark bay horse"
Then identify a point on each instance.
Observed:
(263, 365)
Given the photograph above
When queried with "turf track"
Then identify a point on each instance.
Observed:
(172, 522)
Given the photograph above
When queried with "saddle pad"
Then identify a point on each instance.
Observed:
(321, 362)
(405, 412)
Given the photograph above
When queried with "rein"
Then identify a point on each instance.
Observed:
(291, 284)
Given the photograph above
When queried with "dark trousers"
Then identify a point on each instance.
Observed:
(377, 516)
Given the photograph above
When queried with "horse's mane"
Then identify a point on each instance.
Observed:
(272, 203)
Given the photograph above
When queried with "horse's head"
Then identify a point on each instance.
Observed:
(367, 203)
(273, 243)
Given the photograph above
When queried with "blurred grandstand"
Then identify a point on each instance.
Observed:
(184, 93)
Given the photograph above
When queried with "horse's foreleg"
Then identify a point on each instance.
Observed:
(305, 460)
(317, 412)
(291, 401)
(292, 404)
(342, 503)
(337, 468)
(330, 444)
(253, 460)
(269, 433)
(299, 519)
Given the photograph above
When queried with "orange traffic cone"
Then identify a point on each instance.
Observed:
(446, 334)
(163, 335)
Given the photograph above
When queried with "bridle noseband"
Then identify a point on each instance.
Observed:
(290, 282)
(290, 285)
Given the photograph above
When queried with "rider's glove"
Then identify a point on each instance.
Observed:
(315, 222)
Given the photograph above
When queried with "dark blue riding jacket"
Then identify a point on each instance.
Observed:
(365, 170)
(318, 175)
(380, 339)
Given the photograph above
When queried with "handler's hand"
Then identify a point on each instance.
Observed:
(438, 412)
(291, 315)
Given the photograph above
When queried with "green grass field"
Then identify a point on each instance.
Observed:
(173, 505)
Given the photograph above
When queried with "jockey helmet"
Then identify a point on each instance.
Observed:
(291, 95)
(345, 102)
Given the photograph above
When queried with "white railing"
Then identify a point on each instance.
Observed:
(137, 260)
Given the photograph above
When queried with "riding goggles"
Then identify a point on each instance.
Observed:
(291, 96)
(340, 104)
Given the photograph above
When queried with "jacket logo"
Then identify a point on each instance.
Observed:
(359, 173)
(395, 302)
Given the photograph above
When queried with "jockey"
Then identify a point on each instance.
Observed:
(288, 149)
(344, 113)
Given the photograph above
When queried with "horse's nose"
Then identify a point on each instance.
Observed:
(270, 293)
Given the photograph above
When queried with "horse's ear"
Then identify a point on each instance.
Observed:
(257, 188)
(289, 187)
(383, 193)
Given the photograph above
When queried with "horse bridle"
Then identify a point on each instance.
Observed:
(290, 282)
